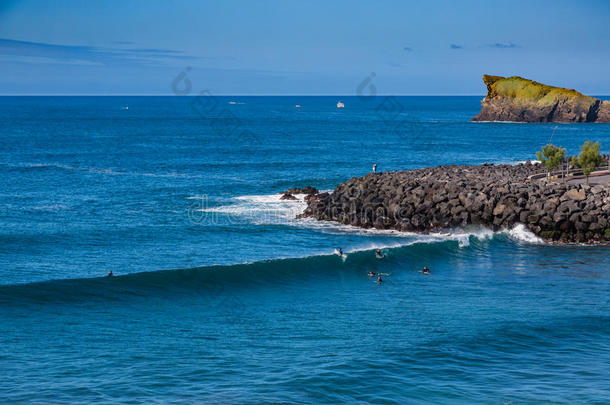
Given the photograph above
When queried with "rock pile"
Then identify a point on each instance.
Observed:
(307, 190)
(443, 197)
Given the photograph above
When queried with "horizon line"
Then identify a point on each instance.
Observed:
(259, 95)
(240, 95)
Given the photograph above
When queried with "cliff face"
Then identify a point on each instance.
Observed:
(522, 100)
(603, 114)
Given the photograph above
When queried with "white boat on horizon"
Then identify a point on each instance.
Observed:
(340, 104)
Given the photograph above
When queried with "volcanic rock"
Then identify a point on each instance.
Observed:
(498, 197)
(522, 100)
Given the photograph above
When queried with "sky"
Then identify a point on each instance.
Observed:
(137, 47)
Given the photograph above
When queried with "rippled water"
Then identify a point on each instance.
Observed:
(221, 296)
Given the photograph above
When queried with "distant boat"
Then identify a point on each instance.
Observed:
(298, 106)
(340, 104)
(126, 108)
(232, 102)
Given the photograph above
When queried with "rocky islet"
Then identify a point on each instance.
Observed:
(522, 100)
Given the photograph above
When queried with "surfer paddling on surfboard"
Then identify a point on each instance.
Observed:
(378, 254)
(426, 271)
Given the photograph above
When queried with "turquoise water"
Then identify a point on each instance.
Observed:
(221, 296)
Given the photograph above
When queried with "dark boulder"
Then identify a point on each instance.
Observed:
(288, 196)
(305, 190)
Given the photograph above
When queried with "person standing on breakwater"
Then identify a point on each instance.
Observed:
(375, 168)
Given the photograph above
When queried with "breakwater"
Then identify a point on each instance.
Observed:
(443, 197)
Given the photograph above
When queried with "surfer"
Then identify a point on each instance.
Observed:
(372, 274)
(110, 273)
(340, 251)
(378, 253)
(426, 270)
(379, 280)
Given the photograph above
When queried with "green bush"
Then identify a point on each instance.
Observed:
(588, 159)
(551, 156)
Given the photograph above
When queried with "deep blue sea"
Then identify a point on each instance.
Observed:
(221, 296)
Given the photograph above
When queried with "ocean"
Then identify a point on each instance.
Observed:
(220, 295)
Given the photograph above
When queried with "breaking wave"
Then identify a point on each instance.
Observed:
(271, 209)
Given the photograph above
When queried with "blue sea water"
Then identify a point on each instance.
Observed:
(221, 296)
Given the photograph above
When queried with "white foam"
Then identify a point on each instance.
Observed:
(271, 209)
(520, 232)
(403, 239)
(260, 209)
